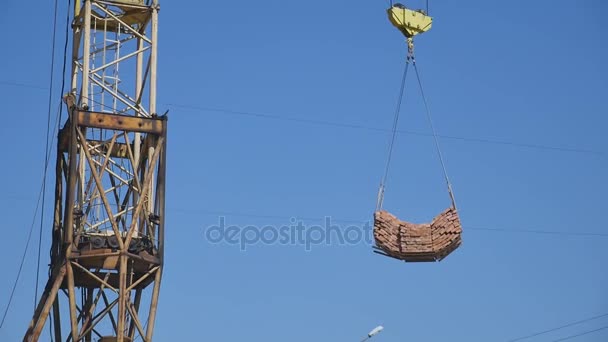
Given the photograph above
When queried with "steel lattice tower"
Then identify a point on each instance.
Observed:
(109, 211)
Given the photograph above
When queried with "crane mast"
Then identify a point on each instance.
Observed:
(109, 209)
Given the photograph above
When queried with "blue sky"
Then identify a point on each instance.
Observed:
(517, 88)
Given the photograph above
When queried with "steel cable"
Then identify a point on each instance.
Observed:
(435, 138)
(393, 135)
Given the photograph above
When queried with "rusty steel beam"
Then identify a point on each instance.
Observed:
(44, 305)
(120, 122)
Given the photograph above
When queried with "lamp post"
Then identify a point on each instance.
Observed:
(374, 331)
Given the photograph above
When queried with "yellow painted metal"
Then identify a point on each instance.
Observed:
(409, 22)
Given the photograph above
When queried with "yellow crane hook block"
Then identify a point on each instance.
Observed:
(409, 22)
(417, 242)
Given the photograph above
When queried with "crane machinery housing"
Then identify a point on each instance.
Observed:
(109, 209)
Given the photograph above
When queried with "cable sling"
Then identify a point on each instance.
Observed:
(411, 58)
(380, 199)
(435, 138)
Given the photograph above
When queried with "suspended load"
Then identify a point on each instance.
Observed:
(403, 240)
(417, 242)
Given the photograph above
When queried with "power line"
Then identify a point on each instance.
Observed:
(17, 84)
(378, 129)
(542, 232)
(358, 126)
(581, 334)
(285, 118)
(559, 328)
(363, 222)
(278, 217)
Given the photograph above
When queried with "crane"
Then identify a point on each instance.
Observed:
(108, 227)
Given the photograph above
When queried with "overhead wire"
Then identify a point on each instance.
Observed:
(363, 222)
(391, 145)
(581, 334)
(17, 84)
(557, 328)
(379, 129)
(540, 232)
(358, 126)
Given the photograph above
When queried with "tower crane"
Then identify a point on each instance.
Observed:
(109, 211)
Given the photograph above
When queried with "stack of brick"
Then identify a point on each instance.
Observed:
(418, 242)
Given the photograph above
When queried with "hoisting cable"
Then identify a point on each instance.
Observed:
(393, 135)
(436, 139)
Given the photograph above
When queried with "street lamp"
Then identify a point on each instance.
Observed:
(374, 331)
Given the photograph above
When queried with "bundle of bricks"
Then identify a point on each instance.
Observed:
(417, 242)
